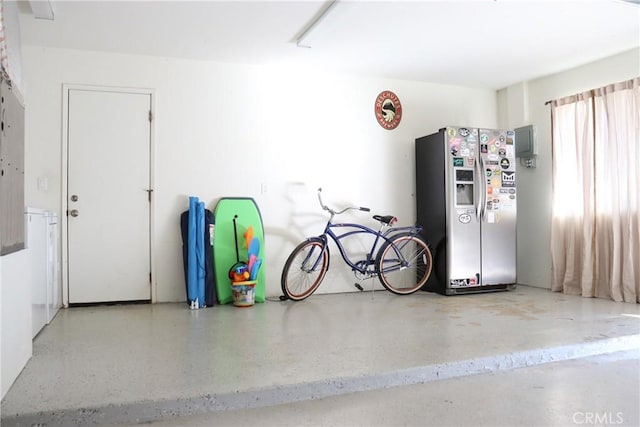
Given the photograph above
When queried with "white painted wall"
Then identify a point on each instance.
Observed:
(224, 130)
(523, 104)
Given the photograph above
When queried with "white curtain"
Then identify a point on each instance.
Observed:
(595, 231)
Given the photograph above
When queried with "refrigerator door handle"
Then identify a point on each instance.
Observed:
(476, 192)
(481, 178)
(483, 195)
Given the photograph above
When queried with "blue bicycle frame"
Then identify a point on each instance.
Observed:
(361, 266)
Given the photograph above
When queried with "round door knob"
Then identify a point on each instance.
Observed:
(74, 213)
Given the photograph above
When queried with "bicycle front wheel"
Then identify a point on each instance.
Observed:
(304, 269)
(404, 264)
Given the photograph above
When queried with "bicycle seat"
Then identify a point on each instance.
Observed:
(387, 219)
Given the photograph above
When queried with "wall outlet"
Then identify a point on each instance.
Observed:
(43, 183)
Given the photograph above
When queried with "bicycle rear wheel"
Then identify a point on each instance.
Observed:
(304, 269)
(404, 264)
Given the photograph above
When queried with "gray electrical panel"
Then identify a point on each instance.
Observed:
(525, 142)
(12, 224)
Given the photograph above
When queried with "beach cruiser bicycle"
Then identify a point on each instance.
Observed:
(399, 257)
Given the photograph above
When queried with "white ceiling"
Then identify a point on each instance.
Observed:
(479, 43)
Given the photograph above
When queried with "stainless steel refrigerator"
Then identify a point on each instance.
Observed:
(466, 201)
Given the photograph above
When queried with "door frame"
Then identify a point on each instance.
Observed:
(64, 181)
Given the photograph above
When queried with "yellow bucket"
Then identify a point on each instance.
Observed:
(244, 293)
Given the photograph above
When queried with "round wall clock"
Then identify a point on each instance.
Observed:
(388, 110)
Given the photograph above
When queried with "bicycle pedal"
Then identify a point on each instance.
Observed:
(357, 285)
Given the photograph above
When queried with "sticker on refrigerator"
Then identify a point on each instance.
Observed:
(458, 283)
(483, 148)
(454, 145)
(502, 152)
(458, 162)
(464, 218)
(484, 138)
(504, 163)
(463, 283)
(451, 132)
(508, 179)
(509, 141)
(470, 160)
(464, 132)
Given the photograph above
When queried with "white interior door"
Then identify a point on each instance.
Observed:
(108, 205)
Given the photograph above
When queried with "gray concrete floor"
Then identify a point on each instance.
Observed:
(552, 394)
(346, 359)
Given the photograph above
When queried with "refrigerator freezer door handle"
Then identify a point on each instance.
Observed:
(483, 192)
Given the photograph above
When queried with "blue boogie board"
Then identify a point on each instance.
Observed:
(224, 243)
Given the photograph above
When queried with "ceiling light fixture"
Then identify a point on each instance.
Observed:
(42, 9)
(314, 22)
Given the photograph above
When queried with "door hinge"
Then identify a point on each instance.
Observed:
(150, 278)
(150, 115)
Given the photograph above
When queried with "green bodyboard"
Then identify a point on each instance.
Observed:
(224, 243)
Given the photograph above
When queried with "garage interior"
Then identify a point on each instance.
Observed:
(271, 100)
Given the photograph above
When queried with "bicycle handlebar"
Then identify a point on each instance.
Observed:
(326, 208)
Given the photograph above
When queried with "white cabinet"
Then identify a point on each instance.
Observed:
(31, 292)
